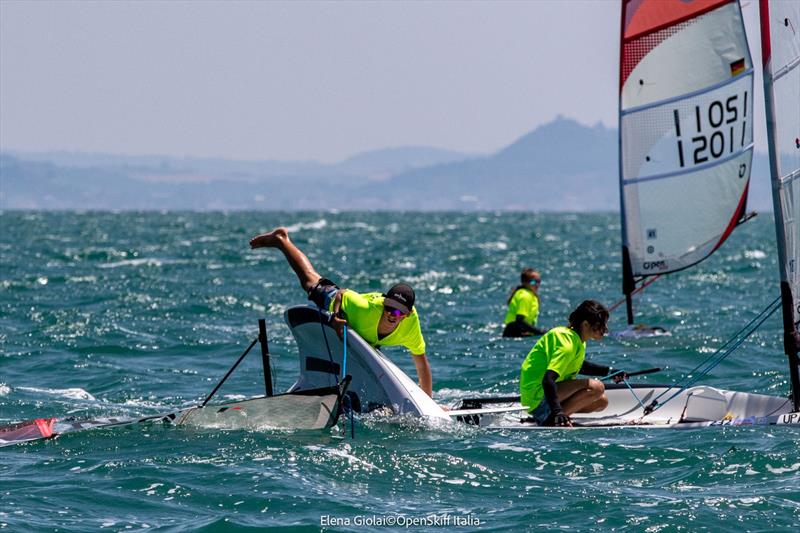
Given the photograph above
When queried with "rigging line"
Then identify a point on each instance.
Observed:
(328, 346)
(736, 345)
(769, 309)
(717, 357)
(724, 345)
(344, 354)
(637, 290)
(230, 371)
(625, 381)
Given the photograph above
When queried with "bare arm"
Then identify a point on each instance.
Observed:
(424, 374)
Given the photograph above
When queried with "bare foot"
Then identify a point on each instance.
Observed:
(269, 240)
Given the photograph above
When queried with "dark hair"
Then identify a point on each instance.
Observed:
(527, 275)
(591, 311)
(524, 278)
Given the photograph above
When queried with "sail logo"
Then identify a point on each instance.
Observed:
(654, 265)
(790, 418)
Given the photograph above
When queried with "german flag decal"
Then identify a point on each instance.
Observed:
(737, 67)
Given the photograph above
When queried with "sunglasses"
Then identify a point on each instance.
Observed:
(535, 282)
(394, 312)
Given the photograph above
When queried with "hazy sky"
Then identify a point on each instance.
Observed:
(303, 80)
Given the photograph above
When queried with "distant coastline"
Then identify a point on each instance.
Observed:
(562, 166)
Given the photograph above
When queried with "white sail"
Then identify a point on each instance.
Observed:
(686, 130)
(780, 47)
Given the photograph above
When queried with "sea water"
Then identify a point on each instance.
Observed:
(127, 314)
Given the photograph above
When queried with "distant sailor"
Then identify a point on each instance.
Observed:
(523, 306)
(548, 387)
(381, 319)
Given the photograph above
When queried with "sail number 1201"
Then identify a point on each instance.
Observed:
(715, 130)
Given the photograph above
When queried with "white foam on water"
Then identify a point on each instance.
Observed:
(775, 470)
(755, 254)
(318, 224)
(73, 394)
(134, 262)
(4, 389)
(345, 454)
(497, 246)
(510, 447)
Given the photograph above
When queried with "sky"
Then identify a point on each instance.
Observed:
(304, 80)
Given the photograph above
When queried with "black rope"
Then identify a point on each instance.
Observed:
(241, 357)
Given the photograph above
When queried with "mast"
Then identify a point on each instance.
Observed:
(628, 283)
(785, 206)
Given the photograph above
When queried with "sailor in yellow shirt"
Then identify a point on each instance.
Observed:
(523, 306)
(381, 319)
(547, 383)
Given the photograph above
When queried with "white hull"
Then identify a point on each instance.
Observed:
(285, 411)
(696, 407)
(310, 410)
(376, 381)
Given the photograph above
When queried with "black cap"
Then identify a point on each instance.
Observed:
(401, 297)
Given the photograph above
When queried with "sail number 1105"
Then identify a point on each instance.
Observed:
(716, 130)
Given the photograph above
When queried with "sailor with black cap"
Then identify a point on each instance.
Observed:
(388, 319)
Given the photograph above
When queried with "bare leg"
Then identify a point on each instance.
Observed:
(582, 396)
(279, 238)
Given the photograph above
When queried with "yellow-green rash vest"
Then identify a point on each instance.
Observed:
(560, 350)
(523, 302)
(363, 312)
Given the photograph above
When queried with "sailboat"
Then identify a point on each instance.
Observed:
(686, 124)
(310, 409)
(686, 121)
(685, 137)
(780, 53)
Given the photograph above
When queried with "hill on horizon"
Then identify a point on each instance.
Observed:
(559, 166)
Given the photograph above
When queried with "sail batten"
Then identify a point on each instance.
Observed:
(734, 155)
(680, 97)
(686, 131)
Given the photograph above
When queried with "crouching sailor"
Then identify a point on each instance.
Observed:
(548, 387)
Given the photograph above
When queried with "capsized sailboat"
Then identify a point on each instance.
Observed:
(708, 137)
(685, 136)
(377, 383)
(313, 408)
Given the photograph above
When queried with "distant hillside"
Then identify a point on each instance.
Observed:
(560, 166)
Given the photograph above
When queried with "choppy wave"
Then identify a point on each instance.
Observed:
(147, 311)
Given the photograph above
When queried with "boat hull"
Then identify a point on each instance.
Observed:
(314, 409)
(377, 382)
(695, 407)
(284, 411)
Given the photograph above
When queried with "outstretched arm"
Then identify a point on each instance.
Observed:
(592, 369)
(424, 374)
